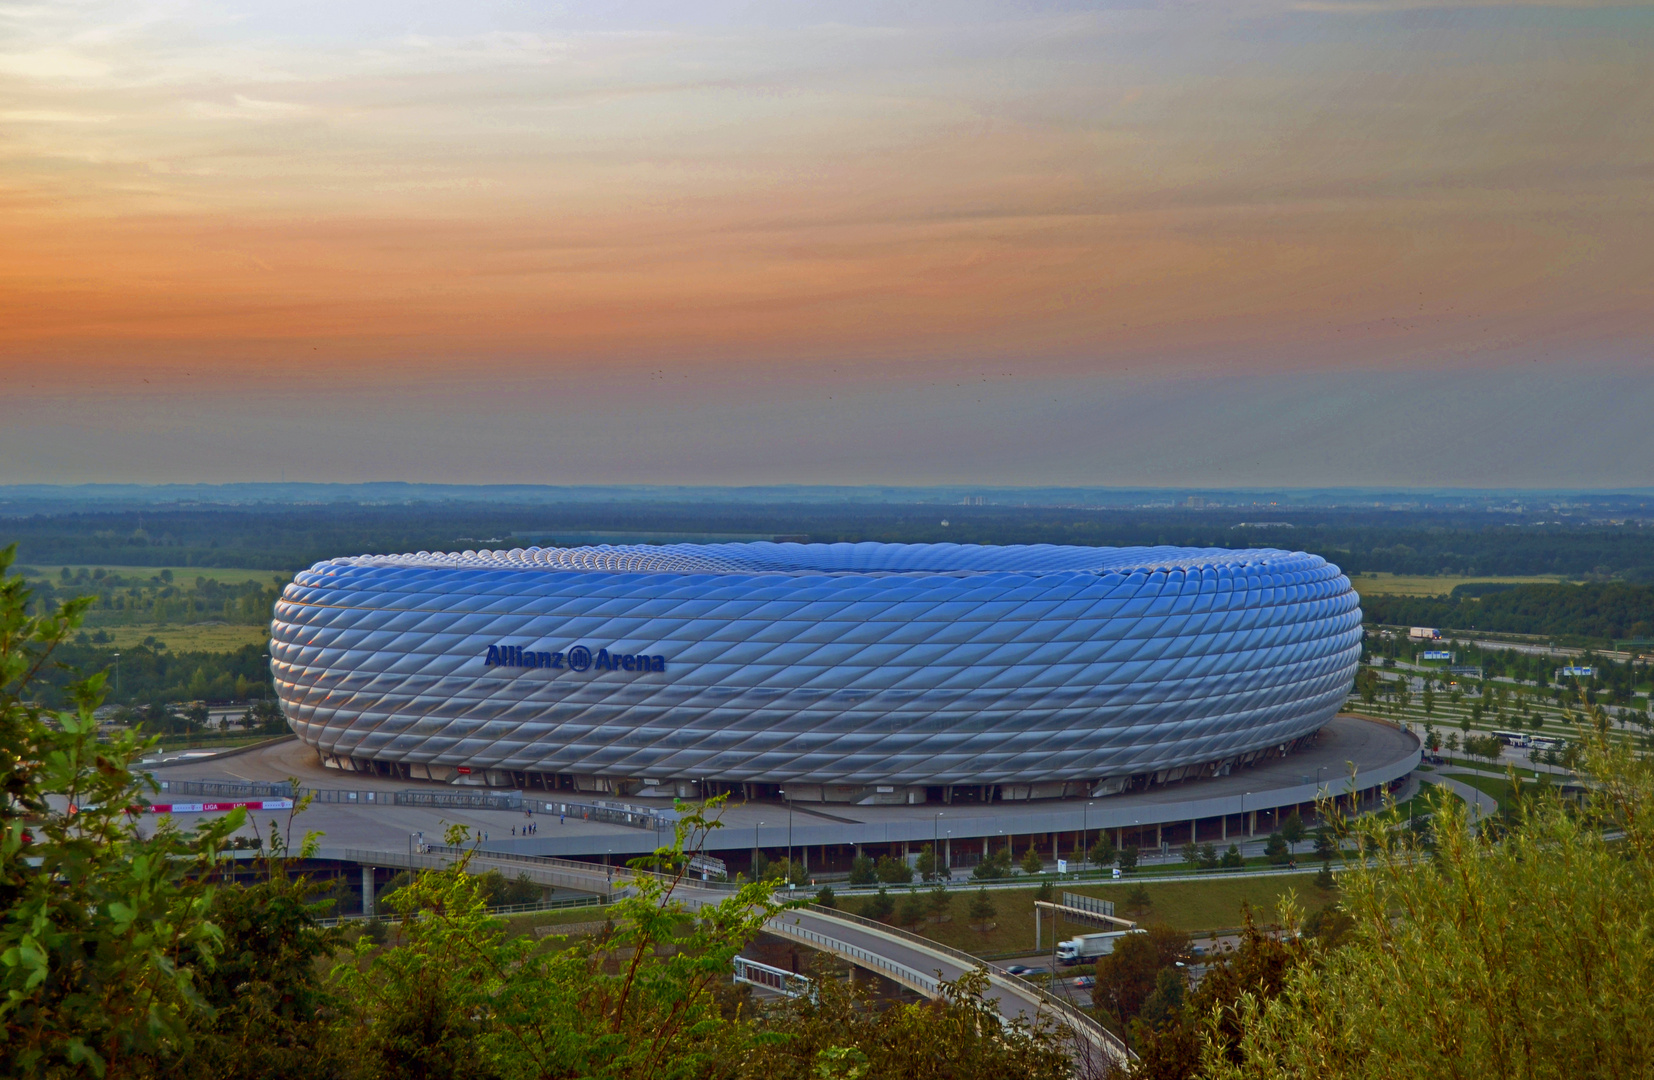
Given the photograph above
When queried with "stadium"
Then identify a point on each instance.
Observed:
(852, 673)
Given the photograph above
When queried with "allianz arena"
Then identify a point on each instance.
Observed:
(864, 673)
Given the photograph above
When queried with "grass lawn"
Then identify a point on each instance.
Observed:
(186, 637)
(1461, 765)
(1425, 585)
(526, 922)
(1420, 803)
(1496, 786)
(1210, 903)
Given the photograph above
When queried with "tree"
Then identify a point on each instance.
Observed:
(928, 865)
(1259, 966)
(1366, 684)
(1324, 879)
(1326, 844)
(941, 902)
(1128, 975)
(1232, 858)
(1031, 861)
(1485, 995)
(271, 1008)
(893, 871)
(1293, 831)
(1274, 849)
(1102, 853)
(842, 1033)
(1208, 856)
(1128, 858)
(1162, 1006)
(1138, 900)
(1191, 854)
(825, 898)
(454, 994)
(982, 907)
(912, 911)
(996, 866)
(861, 871)
(105, 931)
(879, 905)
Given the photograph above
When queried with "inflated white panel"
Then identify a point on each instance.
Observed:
(817, 663)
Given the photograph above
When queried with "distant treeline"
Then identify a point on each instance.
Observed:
(292, 537)
(150, 674)
(1601, 611)
(129, 599)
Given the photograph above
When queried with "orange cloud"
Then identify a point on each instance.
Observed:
(1061, 195)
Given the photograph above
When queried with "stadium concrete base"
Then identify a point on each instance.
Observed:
(1219, 810)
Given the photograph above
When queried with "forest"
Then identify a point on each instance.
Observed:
(1599, 612)
(289, 538)
(163, 576)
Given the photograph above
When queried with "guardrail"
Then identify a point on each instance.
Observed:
(504, 909)
(438, 856)
(911, 978)
(1083, 1025)
(637, 817)
(788, 983)
(232, 788)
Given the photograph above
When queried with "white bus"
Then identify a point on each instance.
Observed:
(1512, 738)
(1540, 742)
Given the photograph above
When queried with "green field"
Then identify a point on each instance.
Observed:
(1203, 905)
(1426, 585)
(189, 637)
(181, 575)
(1496, 786)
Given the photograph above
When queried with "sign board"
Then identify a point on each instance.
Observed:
(1062, 866)
(1090, 903)
(216, 807)
(1438, 654)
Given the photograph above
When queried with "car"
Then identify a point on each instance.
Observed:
(1021, 970)
(1085, 982)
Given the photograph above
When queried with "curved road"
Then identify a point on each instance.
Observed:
(1481, 803)
(907, 959)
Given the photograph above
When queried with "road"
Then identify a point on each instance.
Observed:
(906, 958)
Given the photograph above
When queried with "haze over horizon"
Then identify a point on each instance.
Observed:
(1344, 243)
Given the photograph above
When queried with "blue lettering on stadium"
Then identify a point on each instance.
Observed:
(578, 658)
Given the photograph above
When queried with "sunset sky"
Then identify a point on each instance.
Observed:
(1249, 242)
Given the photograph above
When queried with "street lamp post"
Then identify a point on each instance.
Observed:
(117, 676)
(789, 799)
(755, 851)
(1085, 840)
(936, 843)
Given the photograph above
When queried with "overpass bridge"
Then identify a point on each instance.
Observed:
(907, 959)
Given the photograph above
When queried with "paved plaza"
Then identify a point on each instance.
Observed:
(1221, 808)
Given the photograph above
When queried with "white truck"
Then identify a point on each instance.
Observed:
(1424, 633)
(1088, 947)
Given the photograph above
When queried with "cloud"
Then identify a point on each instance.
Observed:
(391, 199)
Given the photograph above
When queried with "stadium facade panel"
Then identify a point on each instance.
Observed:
(857, 672)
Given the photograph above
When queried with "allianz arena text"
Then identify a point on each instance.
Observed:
(867, 673)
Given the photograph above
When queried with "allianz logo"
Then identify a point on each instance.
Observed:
(578, 658)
